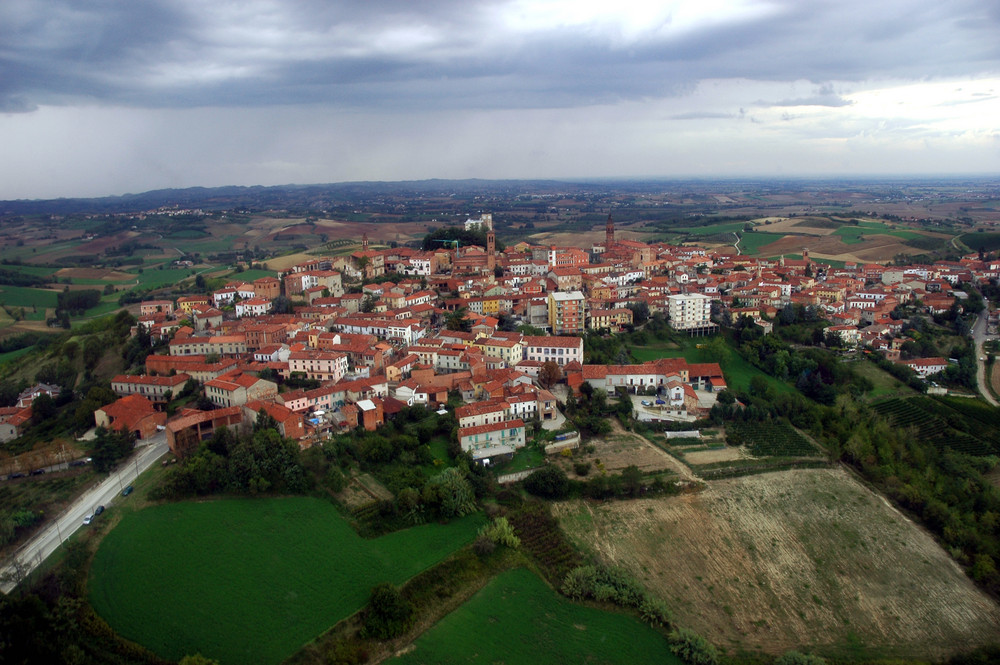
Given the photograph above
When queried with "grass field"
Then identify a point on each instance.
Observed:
(516, 618)
(26, 296)
(851, 235)
(249, 275)
(736, 369)
(885, 383)
(249, 581)
(730, 227)
(750, 243)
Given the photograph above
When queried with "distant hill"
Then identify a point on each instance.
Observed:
(313, 197)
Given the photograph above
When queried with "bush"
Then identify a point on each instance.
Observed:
(604, 584)
(692, 648)
(549, 482)
(483, 546)
(796, 658)
(388, 614)
(656, 613)
(500, 532)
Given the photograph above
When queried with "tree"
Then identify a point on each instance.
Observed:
(282, 305)
(388, 614)
(265, 421)
(42, 408)
(110, 448)
(549, 482)
(368, 303)
(549, 374)
(452, 492)
(640, 312)
(632, 480)
(457, 321)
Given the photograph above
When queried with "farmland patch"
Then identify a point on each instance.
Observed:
(249, 581)
(807, 559)
(517, 619)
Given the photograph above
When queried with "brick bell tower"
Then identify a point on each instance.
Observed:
(491, 250)
(609, 233)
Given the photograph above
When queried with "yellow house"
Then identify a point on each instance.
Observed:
(185, 303)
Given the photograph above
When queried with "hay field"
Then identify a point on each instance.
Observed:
(807, 559)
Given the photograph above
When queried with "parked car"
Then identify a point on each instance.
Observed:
(646, 402)
(38, 472)
(127, 490)
(98, 511)
(88, 519)
(660, 401)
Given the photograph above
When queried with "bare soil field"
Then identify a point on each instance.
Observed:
(583, 239)
(363, 490)
(995, 377)
(95, 273)
(620, 449)
(874, 248)
(727, 454)
(791, 225)
(807, 559)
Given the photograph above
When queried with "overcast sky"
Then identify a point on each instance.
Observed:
(103, 97)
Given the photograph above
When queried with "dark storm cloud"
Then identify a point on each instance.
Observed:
(434, 55)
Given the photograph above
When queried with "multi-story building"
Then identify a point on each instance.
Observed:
(689, 311)
(158, 389)
(493, 440)
(566, 312)
(560, 350)
(320, 365)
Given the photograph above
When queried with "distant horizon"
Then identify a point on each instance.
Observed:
(721, 179)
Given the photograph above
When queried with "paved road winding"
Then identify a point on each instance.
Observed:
(45, 542)
(979, 336)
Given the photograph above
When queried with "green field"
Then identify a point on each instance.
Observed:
(26, 296)
(249, 581)
(516, 618)
(249, 275)
(851, 235)
(736, 369)
(984, 241)
(153, 278)
(750, 243)
(36, 271)
(731, 227)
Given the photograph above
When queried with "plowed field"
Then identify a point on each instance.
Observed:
(808, 559)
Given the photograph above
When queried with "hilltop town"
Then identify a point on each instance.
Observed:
(486, 323)
(425, 381)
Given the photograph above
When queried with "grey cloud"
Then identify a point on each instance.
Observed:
(447, 54)
(703, 115)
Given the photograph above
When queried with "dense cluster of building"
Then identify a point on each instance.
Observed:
(372, 351)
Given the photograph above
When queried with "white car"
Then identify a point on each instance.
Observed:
(88, 519)
(646, 402)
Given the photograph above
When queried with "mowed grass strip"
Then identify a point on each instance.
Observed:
(516, 619)
(736, 369)
(252, 580)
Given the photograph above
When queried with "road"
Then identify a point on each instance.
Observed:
(45, 542)
(979, 336)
